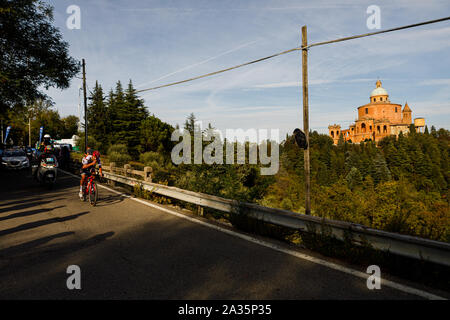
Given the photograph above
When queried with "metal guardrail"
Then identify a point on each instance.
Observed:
(413, 247)
(146, 174)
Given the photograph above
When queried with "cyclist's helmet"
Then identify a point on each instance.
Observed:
(96, 154)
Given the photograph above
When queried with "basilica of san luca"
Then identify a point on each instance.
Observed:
(377, 119)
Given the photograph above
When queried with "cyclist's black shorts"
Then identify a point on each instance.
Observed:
(87, 171)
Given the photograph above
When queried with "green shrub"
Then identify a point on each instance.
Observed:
(119, 158)
(152, 159)
(118, 148)
(92, 143)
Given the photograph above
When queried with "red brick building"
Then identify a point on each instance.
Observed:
(376, 120)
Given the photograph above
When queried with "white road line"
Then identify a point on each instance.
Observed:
(303, 256)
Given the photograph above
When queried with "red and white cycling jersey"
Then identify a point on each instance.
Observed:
(87, 159)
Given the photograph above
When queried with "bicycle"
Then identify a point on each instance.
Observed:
(90, 189)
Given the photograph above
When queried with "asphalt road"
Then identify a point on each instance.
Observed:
(126, 250)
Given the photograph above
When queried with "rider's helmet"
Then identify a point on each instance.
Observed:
(47, 139)
(96, 154)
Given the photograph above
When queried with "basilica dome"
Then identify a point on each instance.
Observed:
(378, 91)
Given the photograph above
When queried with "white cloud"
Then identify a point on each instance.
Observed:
(434, 82)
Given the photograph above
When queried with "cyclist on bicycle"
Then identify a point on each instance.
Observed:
(88, 162)
(96, 154)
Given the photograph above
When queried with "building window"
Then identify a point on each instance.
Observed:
(378, 129)
(384, 129)
(395, 109)
(367, 110)
(332, 134)
(363, 127)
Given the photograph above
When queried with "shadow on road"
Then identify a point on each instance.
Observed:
(172, 259)
(25, 205)
(108, 200)
(36, 224)
(24, 247)
(28, 213)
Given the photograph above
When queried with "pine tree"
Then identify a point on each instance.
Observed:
(128, 112)
(189, 124)
(97, 118)
(433, 131)
(112, 116)
(135, 112)
(354, 178)
(381, 171)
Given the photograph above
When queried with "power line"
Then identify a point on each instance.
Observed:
(296, 49)
(220, 71)
(374, 33)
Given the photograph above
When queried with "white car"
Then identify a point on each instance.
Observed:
(15, 159)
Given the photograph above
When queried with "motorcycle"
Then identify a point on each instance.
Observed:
(46, 170)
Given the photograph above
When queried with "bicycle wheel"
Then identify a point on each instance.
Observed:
(93, 194)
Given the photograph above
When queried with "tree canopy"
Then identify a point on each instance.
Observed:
(32, 53)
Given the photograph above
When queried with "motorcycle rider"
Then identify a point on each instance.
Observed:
(45, 150)
(45, 142)
(88, 162)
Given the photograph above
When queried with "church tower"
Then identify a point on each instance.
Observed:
(406, 114)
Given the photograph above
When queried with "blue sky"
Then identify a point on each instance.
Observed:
(156, 42)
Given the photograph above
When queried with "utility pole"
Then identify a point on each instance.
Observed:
(29, 131)
(306, 119)
(85, 108)
(2, 131)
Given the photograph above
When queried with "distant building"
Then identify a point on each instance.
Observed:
(377, 119)
(72, 142)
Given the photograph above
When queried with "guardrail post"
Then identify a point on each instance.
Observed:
(111, 168)
(127, 167)
(200, 211)
(148, 174)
